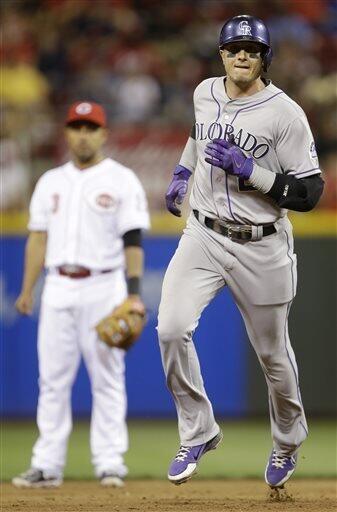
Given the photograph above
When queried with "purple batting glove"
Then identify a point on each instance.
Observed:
(177, 189)
(229, 157)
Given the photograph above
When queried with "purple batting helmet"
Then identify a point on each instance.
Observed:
(247, 28)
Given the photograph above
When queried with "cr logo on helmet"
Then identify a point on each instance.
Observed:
(245, 28)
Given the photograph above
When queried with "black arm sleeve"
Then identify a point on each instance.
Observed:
(133, 238)
(300, 195)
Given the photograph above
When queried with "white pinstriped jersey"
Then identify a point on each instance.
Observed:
(86, 212)
(269, 126)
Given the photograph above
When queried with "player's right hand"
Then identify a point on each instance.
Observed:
(24, 303)
(177, 190)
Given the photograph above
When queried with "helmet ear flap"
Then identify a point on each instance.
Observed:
(267, 58)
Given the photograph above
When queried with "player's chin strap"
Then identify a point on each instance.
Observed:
(236, 231)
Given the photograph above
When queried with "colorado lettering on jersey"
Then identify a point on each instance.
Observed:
(268, 126)
(244, 140)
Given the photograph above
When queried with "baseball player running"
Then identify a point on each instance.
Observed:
(253, 158)
(85, 226)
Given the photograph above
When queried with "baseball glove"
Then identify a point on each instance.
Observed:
(124, 325)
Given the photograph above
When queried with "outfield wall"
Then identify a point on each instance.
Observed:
(232, 377)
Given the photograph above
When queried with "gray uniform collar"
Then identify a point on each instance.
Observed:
(267, 91)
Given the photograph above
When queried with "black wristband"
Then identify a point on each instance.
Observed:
(133, 284)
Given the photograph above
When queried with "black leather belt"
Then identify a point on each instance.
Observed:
(78, 272)
(236, 231)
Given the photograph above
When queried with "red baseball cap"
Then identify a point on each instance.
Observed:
(86, 111)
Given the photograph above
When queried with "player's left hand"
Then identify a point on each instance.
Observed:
(229, 157)
(124, 325)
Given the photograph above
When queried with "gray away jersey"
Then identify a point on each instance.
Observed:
(269, 126)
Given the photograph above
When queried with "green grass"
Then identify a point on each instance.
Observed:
(243, 453)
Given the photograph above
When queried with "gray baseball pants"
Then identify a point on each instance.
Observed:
(261, 276)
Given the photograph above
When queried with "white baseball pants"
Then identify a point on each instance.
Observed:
(70, 310)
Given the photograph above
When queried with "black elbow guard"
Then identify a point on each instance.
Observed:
(300, 195)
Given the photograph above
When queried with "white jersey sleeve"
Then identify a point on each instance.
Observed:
(133, 209)
(295, 149)
(38, 209)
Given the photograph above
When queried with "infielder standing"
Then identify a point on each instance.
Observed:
(253, 158)
(85, 226)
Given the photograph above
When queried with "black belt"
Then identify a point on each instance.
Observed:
(78, 272)
(236, 231)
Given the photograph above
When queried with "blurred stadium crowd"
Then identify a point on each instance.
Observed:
(142, 60)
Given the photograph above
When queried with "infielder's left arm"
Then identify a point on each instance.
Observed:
(134, 260)
(125, 323)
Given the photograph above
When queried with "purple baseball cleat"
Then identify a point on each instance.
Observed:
(184, 465)
(279, 468)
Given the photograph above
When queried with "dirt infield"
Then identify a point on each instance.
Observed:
(161, 496)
